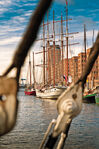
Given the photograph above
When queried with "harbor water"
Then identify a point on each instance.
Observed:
(34, 115)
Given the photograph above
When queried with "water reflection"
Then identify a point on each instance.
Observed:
(34, 116)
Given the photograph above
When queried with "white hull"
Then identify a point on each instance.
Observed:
(51, 93)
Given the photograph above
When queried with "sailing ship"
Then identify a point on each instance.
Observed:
(29, 89)
(57, 66)
(50, 93)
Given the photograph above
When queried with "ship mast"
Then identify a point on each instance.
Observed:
(53, 51)
(62, 44)
(48, 50)
(43, 53)
(30, 68)
(33, 71)
(85, 41)
(67, 38)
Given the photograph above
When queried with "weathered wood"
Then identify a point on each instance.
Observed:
(8, 104)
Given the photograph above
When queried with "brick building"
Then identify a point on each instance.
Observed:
(50, 67)
(81, 63)
(73, 70)
(76, 66)
(93, 77)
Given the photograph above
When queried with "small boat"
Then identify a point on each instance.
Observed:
(50, 93)
(97, 94)
(29, 89)
(30, 92)
(97, 98)
(92, 96)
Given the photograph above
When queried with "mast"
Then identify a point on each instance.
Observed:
(43, 53)
(62, 44)
(85, 41)
(53, 52)
(30, 68)
(48, 49)
(33, 71)
(93, 70)
(67, 38)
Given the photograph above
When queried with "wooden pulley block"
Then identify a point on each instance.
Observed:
(8, 104)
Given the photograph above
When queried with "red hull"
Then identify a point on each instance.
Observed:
(30, 92)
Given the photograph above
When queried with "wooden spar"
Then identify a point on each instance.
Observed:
(67, 39)
(62, 44)
(53, 51)
(40, 52)
(54, 22)
(43, 53)
(34, 71)
(51, 36)
(85, 41)
(40, 65)
(30, 69)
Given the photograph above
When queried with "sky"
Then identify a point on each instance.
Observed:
(15, 15)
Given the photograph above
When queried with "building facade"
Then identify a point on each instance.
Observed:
(76, 66)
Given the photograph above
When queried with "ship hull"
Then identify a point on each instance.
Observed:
(30, 92)
(52, 93)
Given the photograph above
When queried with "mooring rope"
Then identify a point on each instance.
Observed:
(9, 86)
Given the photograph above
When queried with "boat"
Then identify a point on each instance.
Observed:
(97, 95)
(29, 89)
(92, 96)
(50, 93)
(97, 98)
(89, 96)
(52, 90)
(30, 92)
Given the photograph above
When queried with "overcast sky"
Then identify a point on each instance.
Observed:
(15, 15)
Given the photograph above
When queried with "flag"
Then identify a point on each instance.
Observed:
(65, 77)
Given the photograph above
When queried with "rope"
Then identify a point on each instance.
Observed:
(9, 86)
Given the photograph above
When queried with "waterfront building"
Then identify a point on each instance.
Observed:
(73, 68)
(81, 63)
(51, 66)
(76, 66)
(93, 77)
